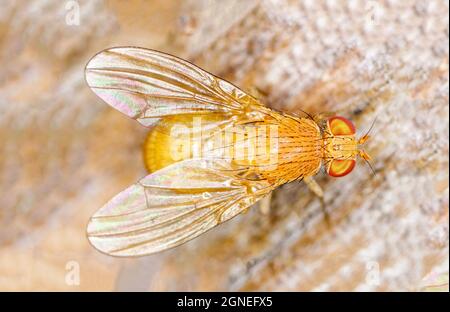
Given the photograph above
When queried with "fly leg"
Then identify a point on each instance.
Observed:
(264, 204)
(317, 190)
(257, 93)
(322, 117)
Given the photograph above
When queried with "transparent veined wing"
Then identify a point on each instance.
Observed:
(171, 206)
(148, 85)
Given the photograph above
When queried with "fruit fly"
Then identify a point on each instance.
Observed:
(212, 150)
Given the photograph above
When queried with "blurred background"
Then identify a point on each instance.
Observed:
(64, 153)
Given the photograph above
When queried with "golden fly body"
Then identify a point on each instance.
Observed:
(212, 150)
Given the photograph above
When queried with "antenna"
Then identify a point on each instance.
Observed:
(367, 158)
(370, 166)
(371, 127)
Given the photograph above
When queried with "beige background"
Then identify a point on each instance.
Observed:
(64, 153)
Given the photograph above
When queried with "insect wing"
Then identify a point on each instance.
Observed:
(148, 85)
(172, 206)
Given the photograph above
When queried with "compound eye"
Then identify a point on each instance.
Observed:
(340, 126)
(339, 168)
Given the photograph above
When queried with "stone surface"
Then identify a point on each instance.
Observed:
(64, 152)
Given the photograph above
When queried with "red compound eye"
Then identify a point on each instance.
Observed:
(340, 126)
(339, 168)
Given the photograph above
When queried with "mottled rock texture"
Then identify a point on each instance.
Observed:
(64, 153)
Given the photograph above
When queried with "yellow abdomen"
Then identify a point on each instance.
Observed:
(175, 138)
(296, 153)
